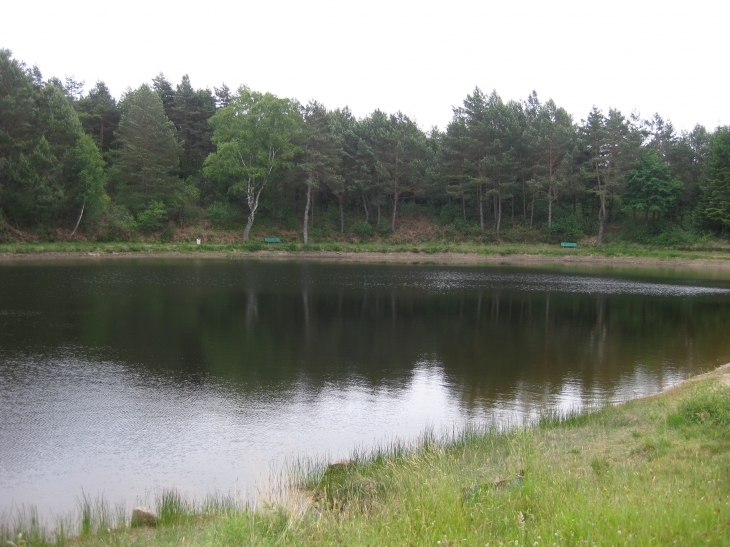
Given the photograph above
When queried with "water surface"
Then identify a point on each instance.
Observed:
(119, 377)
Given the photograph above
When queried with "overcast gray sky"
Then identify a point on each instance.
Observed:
(418, 57)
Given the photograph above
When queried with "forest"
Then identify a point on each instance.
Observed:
(167, 161)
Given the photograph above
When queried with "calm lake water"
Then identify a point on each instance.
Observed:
(122, 376)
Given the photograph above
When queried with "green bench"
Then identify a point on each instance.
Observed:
(568, 244)
(272, 240)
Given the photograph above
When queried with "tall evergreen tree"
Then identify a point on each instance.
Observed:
(551, 137)
(147, 159)
(322, 151)
(190, 111)
(165, 91)
(717, 204)
(18, 118)
(405, 162)
(99, 115)
(612, 149)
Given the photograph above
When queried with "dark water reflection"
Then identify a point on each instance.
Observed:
(118, 377)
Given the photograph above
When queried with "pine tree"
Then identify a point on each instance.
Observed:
(99, 116)
(717, 208)
(322, 150)
(147, 159)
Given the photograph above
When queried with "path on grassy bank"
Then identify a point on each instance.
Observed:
(403, 254)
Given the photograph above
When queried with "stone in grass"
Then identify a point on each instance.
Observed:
(340, 464)
(142, 516)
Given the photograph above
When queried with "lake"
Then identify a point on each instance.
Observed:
(120, 377)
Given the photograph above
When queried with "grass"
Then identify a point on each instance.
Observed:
(423, 249)
(648, 472)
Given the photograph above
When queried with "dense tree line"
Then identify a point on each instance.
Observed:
(167, 155)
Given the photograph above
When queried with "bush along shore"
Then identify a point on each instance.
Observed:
(654, 471)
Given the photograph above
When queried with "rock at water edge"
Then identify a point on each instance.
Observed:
(142, 516)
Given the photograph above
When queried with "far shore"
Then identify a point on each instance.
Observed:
(389, 257)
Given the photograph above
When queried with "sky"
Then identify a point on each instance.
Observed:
(419, 57)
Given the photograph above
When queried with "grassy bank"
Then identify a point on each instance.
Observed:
(8, 251)
(649, 472)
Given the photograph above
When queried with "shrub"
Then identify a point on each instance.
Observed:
(465, 227)
(152, 218)
(120, 220)
(565, 227)
(662, 233)
(363, 229)
(449, 212)
(222, 214)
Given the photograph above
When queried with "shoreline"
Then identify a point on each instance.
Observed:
(591, 463)
(390, 257)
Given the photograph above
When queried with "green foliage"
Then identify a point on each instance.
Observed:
(99, 116)
(147, 159)
(39, 131)
(567, 226)
(222, 214)
(662, 233)
(120, 221)
(493, 155)
(708, 404)
(717, 200)
(91, 193)
(449, 213)
(254, 137)
(152, 218)
(363, 229)
(464, 227)
(650, 187)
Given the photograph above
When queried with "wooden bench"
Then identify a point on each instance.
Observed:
(272, 240)
(568, 244)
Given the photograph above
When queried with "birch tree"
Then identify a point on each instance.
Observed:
(254, 137)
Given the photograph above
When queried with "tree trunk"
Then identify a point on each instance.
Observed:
(532, 208)
(342, 216)
(395, 209)
(365, 206)
(249, 223)
(499, 212)
(610, 208)
(524, 201)
(550, 211)
(305, 233)
(79, 220)
(377, 225)
(481, 209)
(601, 220)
